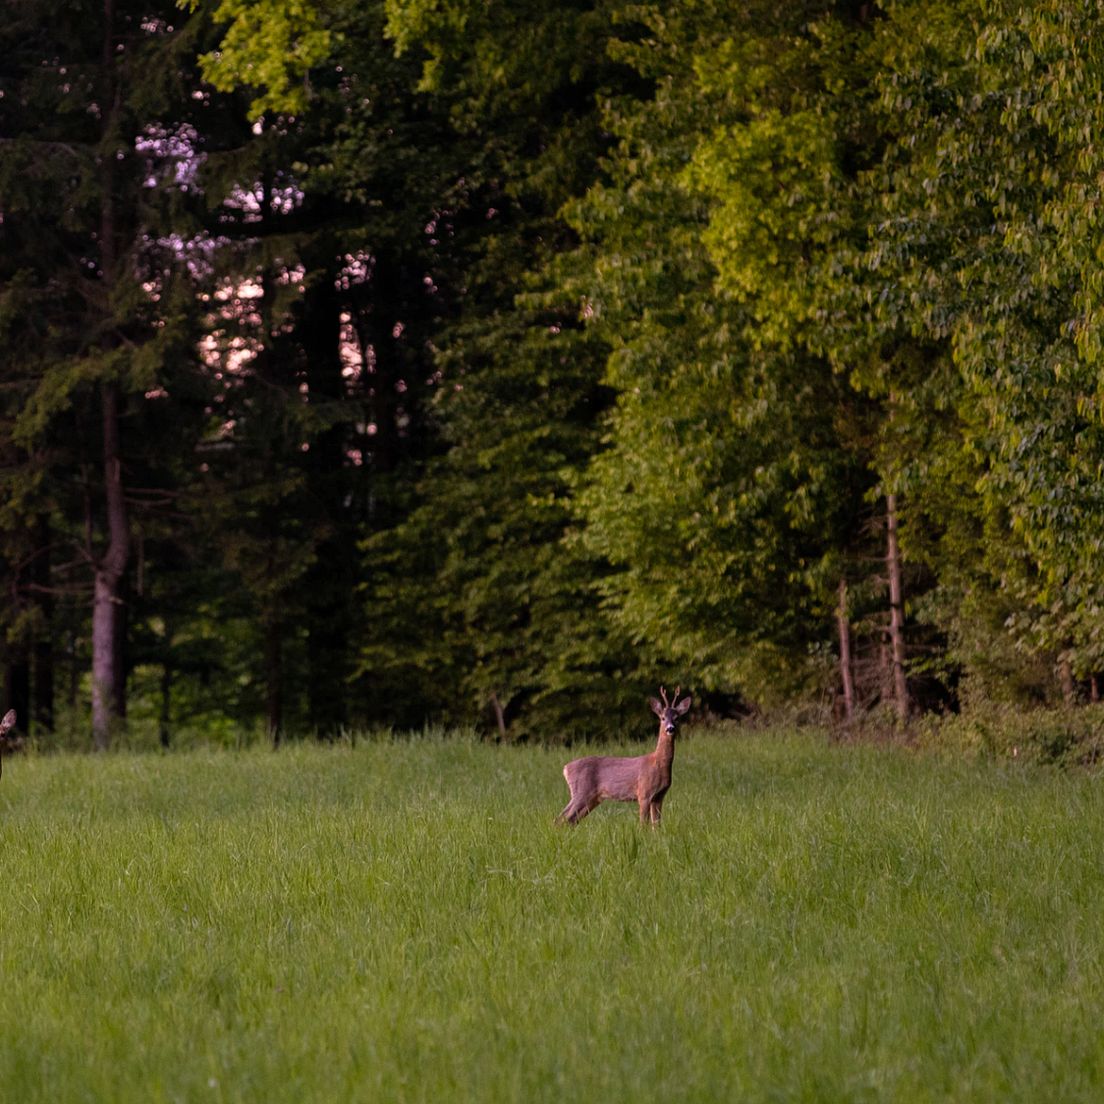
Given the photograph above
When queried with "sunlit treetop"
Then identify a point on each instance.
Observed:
(269, 46)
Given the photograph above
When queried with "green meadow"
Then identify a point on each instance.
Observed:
(400, 921)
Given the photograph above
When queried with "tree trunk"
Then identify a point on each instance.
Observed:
(844, 624)
(274, 663)
(165, 717)
(333, 577)
(885, 668)
(106, 622)
(43, 704)
(500, 716)
(122, 658)
(1065, 680)
(387, 365)
(896, 611)
(107, 686)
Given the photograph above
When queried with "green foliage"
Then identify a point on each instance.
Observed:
(582, 344)
(269, 45)
(478, 591)
(502, 57)
(94, 296)
(735, 468)
(983, 246)
(496, 606)
(1062, 737)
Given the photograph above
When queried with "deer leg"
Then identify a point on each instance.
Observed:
(583, 808)
(657, 811)
(567, 813)
(574, 811)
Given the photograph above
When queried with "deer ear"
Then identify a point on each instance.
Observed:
(7, 722)
(683, 706)
(657, 706)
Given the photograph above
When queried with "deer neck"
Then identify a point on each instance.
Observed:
(665, 747)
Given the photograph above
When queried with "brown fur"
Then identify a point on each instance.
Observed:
(644, 779)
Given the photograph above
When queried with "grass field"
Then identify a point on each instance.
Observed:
(401, 922)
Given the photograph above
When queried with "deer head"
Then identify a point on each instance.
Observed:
(669, 711)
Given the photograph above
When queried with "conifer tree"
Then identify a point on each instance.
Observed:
(94, 323)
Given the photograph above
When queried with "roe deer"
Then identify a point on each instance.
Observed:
(6, 725)
(644, 779)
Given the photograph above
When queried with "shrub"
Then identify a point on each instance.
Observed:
(1065, 737)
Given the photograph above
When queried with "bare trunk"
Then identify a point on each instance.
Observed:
(500, 715)
(896, 610)
(1065, 680)
(844, 624)
(103, 661)
(334, 576)
(106, 621)
(43, 707)
(107, 685)
(165, 717)
(121, 634)
(274, 662)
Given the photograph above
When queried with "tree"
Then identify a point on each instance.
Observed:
(512, 628)
(332, 284)
(983, 247)
(80, 231)
(739, 460)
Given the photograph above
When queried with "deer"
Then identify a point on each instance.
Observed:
(644, 779)
(6, 725)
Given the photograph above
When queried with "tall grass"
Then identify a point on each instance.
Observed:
(401, 922)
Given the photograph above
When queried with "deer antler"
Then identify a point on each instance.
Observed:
(644, 779)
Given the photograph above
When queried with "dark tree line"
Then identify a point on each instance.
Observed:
(386, 364)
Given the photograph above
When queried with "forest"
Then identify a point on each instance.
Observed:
(484, 364)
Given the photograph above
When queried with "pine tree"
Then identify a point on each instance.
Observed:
(92, 316)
